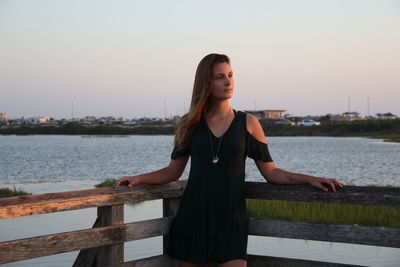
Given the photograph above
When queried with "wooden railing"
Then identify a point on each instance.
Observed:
(103, 245)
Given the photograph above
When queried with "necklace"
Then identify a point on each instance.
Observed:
(215, 157)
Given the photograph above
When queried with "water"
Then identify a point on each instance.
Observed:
(40, 164)
(61, 163)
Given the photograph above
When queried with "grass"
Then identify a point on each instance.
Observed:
(107, 183)
(388, 137)
(6, 192)
(324, 212)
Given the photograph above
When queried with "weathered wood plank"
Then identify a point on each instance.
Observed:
(360, 195)
(111, 236)
(58, 243)
(268, 261)
(34, 247)
(53, 202)
(111, 215)
(80, 199)
(138, 189)
(154, 227)
(364, 235)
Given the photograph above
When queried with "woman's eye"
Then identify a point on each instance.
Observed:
(220, 77)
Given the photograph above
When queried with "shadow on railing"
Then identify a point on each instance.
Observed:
(103, 245)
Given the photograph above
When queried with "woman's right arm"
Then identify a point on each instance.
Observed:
(162, 176)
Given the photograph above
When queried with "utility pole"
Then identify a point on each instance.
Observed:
(348, 103)
(165, 108)
(72, 109)
(255, 105)
(368, 106)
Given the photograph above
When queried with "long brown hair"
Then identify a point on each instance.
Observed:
(202, 89)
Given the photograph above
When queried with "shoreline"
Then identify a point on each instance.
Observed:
(386, 137)
(388, 130)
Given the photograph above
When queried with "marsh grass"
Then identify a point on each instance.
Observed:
(324, 212)
(388, 137)
(106, 183)
(7, 192)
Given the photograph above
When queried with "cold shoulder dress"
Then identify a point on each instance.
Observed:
(211, 224)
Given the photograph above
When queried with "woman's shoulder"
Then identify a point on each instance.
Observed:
(254, 127)
(250, 118)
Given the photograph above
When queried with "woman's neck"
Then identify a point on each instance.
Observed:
(219, 108)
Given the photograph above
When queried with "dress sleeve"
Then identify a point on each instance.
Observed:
(257, 149)
(179, 152)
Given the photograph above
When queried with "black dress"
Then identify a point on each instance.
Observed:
(211, 224)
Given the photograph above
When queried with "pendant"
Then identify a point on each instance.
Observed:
(215, 160)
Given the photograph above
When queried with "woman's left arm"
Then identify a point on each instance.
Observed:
(273, 174)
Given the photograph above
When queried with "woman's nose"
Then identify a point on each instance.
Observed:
(227, 81)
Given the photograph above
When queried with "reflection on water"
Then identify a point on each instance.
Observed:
(62, 163)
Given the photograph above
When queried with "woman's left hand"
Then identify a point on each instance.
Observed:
(319, 181)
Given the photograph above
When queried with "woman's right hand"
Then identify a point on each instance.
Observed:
(127, 180)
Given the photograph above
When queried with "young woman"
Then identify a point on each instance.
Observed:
(211, 223)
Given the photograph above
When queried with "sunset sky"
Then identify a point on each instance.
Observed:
(138, 58)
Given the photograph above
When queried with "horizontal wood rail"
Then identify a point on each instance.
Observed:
(102, 245)
(77, 240)
(80, 199)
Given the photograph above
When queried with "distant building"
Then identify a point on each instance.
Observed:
(3, 116)
(351, 116)
(176, 119)
(270, 114)
(36, 120)
(50, 123)
(346, 116)
(387, 115)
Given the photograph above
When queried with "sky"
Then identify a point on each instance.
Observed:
(64, 58)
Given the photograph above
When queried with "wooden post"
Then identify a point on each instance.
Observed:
(170, 208)
(87, 257)
(111, 215)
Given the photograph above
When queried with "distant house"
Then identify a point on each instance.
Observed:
(343, 117)
(50, 123)
(3, 116)
(129, 123)
(336, 117)
(175, 119)
(387, 115)
(35, 120)
(269, 114)
(3, 119)
(351, 116)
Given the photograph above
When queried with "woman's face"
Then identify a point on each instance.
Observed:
(223, 82)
